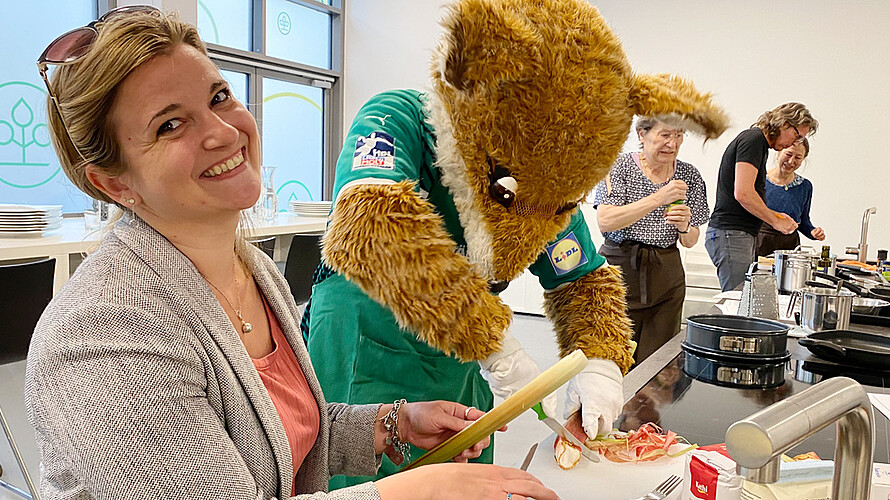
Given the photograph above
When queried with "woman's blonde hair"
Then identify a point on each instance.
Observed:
(86, 90)
(794, 114)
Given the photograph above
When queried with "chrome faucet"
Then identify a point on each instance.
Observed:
(757, 442)
(861, 251)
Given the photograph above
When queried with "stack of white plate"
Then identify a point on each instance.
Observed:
(311, 208)
(29, 220)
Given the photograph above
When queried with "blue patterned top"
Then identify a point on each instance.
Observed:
(792, 199)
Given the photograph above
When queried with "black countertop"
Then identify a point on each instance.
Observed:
(660, 391)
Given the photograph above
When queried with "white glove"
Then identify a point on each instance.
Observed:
(510, 369)
(597, 391)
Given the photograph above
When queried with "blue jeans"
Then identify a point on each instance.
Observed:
(732, 251)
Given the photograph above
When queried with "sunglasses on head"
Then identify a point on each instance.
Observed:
(69, 47)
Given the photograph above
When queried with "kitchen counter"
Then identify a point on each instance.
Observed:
(73, 238)
(660, 391)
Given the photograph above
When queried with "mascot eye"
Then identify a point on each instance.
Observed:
(503, 186)
(497, 286)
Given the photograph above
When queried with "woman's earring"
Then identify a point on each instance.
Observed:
(131, 201)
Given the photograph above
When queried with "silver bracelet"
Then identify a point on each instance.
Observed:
(391, 424)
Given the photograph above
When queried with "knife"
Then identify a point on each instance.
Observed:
(560, 430)
(528, 457)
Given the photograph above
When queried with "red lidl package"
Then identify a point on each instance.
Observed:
(710, 475)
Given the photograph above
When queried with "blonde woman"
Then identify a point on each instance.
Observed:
(171, 364)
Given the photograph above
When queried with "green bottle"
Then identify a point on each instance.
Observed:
(824, 264)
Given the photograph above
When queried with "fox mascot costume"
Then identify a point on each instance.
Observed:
(441, 198)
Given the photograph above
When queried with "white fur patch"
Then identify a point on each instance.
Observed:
(454, 177)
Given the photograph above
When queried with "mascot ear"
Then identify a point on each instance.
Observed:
(455, 62)
(485, 42)
(675, 101)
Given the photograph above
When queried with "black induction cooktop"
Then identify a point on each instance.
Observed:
(701, 411)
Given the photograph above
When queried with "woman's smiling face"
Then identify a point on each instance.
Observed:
(191, 150)
(791, 158)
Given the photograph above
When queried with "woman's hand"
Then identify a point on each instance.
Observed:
(783, 223)
(817, 233)
(482, 481)
(679, 216)
(672, 191)
(426, 424)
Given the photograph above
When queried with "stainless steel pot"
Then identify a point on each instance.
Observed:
(793, 268)
(823, 309)
(862, 305)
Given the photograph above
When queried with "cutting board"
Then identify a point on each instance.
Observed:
(604, 480)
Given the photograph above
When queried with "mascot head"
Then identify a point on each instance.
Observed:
(532, 101)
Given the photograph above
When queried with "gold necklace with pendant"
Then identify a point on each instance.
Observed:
(246, 327)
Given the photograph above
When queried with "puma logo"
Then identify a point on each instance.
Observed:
(382, 119)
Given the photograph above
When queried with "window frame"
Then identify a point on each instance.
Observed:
(257, 65)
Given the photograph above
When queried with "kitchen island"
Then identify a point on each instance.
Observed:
(660, 391)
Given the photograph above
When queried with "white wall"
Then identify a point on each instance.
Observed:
(753, 55)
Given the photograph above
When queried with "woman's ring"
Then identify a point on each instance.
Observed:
(466, 415)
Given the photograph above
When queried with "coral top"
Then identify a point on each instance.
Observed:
(287, 386)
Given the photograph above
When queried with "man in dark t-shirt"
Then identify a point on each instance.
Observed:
(750, 146)
(740, 208)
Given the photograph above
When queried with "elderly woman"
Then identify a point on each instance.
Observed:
(740, 209)
(788, 192)
(171, 364)
(648, 202)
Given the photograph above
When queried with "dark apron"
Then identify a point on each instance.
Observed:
(769, 240)
(656, 288)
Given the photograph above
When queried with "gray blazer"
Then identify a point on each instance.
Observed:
(138, 387)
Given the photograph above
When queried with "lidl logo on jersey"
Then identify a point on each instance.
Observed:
(566, 254)
(377, 150)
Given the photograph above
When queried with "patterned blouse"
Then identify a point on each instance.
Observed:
(630, 184)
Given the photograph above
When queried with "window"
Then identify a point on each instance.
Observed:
(293, 32)
(237, 82)
(287, 55)
(283, 59)
(225, 22)
(29, 170)
(293, 121)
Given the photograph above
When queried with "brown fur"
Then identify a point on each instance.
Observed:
(543, 88)
(675, 100)
(388, 241)
(589, 314)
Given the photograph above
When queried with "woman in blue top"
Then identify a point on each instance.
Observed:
(789, 193)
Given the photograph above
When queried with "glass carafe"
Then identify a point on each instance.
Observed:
(268, 202)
